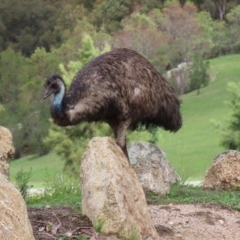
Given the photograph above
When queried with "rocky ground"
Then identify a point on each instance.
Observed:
(173, 222)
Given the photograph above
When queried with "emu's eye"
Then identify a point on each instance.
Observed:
(54, 85)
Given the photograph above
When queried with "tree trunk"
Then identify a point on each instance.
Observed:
(221, 7)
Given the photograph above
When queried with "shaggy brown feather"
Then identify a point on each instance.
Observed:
(122, 88)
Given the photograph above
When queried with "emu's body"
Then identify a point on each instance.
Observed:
(121, 88)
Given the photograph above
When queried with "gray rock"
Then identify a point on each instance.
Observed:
(224, 172)
(154, 172)
(112, 194)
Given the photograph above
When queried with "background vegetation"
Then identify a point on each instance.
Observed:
(47, 37)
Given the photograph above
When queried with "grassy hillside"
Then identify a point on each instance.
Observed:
(40, 167)
(193, 148)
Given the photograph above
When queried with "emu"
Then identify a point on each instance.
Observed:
(121, 88)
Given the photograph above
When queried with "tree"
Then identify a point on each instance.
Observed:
(27, 24)
(233, 18)
(230, 133)
(141, 34)
(107, 15)
(12, 76)
(198, 74)
(221, 7)
(1, 109)
(221, 41)
(183, 30)
(21, 93)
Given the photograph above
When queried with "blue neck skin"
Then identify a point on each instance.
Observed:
(57, 99)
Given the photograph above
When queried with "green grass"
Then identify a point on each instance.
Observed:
(192, 149)
(195, 194)
(50, 164)
(69, 194)
(72, 198)
(58, 191)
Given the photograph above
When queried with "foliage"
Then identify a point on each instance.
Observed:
(21, 94)
(70, 142)
(59, 190)
(141, 34)
(1, 109)
(98, 225)
(178, 194)
(234, 29)
(22, 180)
(27, 24)
(230, 134)
(12, 79)
(220, 38)
(199, 74)
(179, 24)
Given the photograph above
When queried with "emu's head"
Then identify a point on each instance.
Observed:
(53, 85)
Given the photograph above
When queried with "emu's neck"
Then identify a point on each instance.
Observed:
(57, 99)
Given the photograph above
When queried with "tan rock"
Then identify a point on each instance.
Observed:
(6, 150)
(224, 172)
(111, 192)
(154, 171)
(14, 223)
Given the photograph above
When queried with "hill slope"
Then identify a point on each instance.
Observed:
(193, 148)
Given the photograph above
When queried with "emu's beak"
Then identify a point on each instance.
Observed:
(48, 92)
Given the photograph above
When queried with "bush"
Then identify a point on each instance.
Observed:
(22, 179)
(59, 190)
(198, 74)
(230, 133)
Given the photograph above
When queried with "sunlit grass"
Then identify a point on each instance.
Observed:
(195, 194)
(50, 163)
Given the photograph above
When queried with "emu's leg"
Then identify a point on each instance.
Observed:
(120, 131)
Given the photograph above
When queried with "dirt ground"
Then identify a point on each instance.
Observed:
(173, 222)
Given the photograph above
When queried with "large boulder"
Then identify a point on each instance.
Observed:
(111, 193)
(224, 172)
(154, 171)
(14, 223)
(6, 150)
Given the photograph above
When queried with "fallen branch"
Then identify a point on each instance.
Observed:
(55, 229)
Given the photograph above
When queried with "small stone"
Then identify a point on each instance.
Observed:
(221, 221)
(68, 234)
(41, 229)
(178, 235)
(171, 223)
